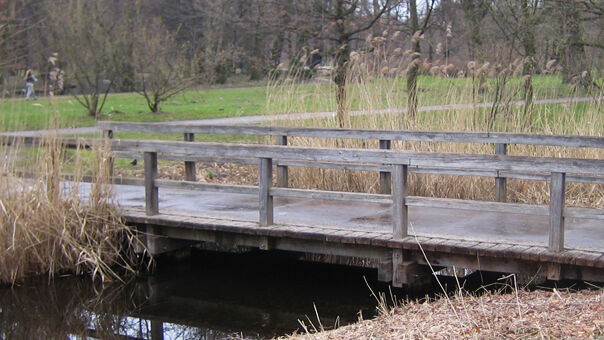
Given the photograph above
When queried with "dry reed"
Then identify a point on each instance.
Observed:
(377, 82)
(47, 228)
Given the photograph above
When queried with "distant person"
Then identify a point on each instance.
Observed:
(30, 79)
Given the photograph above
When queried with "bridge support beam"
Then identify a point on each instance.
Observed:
(406, 271)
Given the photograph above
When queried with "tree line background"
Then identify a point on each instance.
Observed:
(94, 46)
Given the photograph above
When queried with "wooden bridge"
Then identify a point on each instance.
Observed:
(496, 236)
(397, 233)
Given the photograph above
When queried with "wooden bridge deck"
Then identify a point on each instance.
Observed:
(443, 237)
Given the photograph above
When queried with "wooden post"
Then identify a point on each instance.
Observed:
(282, 170)
(385, 176)
(556, 211)
(189, 166)
(265, 181)
(500, 182)
(151, 191)
(157, 330)
(109, 135)
(399, 204)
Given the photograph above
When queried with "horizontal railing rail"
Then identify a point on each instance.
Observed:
(392, 135)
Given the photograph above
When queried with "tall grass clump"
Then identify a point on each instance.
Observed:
(48, 228)
(476, 97)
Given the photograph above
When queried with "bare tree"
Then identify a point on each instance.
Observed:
(158, 63)
(518, 20)
(417, 31)
(571, 41)
(91, 38)
(343, 28)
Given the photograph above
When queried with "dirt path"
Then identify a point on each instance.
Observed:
(296, 116)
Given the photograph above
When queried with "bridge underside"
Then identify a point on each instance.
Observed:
(401, 262)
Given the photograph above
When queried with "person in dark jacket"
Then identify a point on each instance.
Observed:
(30, 79)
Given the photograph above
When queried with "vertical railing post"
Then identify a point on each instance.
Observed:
(400, 217)
(189, 166)
(556, 211)
(109, 135)
(500, 182)
(265, 181)
(282, 170)
(151, 192)
(385, 176)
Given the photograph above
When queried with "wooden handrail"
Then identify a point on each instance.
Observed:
(421, 159)
(392, 135)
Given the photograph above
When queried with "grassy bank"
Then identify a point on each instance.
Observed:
(553, 314)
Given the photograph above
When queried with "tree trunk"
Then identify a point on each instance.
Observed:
(573, 50)
(341, 81)
(472, 15)
(413, 70)
(528, 66)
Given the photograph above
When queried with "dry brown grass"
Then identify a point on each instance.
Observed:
(46, 228)
(525, 315)
(373, 89)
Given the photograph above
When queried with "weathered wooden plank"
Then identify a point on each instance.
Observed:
(583, 258)
(226, 188)
(265, 180)
(500, 182)
(427, 136)
(370, 167)
(516, 163)
(455, 172)
(556, 208)
(189, 166)
(587, 213)
(151, 190)
(282, 170)
(400, 214)
(385, 176)
(449, 203)
(500, 250)
(531, 253)
(329, 195)
(334, 165)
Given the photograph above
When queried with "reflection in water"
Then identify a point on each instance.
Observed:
(214, 296)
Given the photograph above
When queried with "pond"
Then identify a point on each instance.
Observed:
(209, 296)
(205, 295)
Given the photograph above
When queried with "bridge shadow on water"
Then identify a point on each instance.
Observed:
(210, 295)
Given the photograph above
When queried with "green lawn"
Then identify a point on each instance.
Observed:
(18, 114)
(65, 111)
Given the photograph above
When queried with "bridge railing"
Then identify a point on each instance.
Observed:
(500, 141)
(558, 169)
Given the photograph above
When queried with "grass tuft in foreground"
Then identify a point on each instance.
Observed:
(47, 228)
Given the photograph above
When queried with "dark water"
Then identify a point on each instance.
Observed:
(211, 296)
